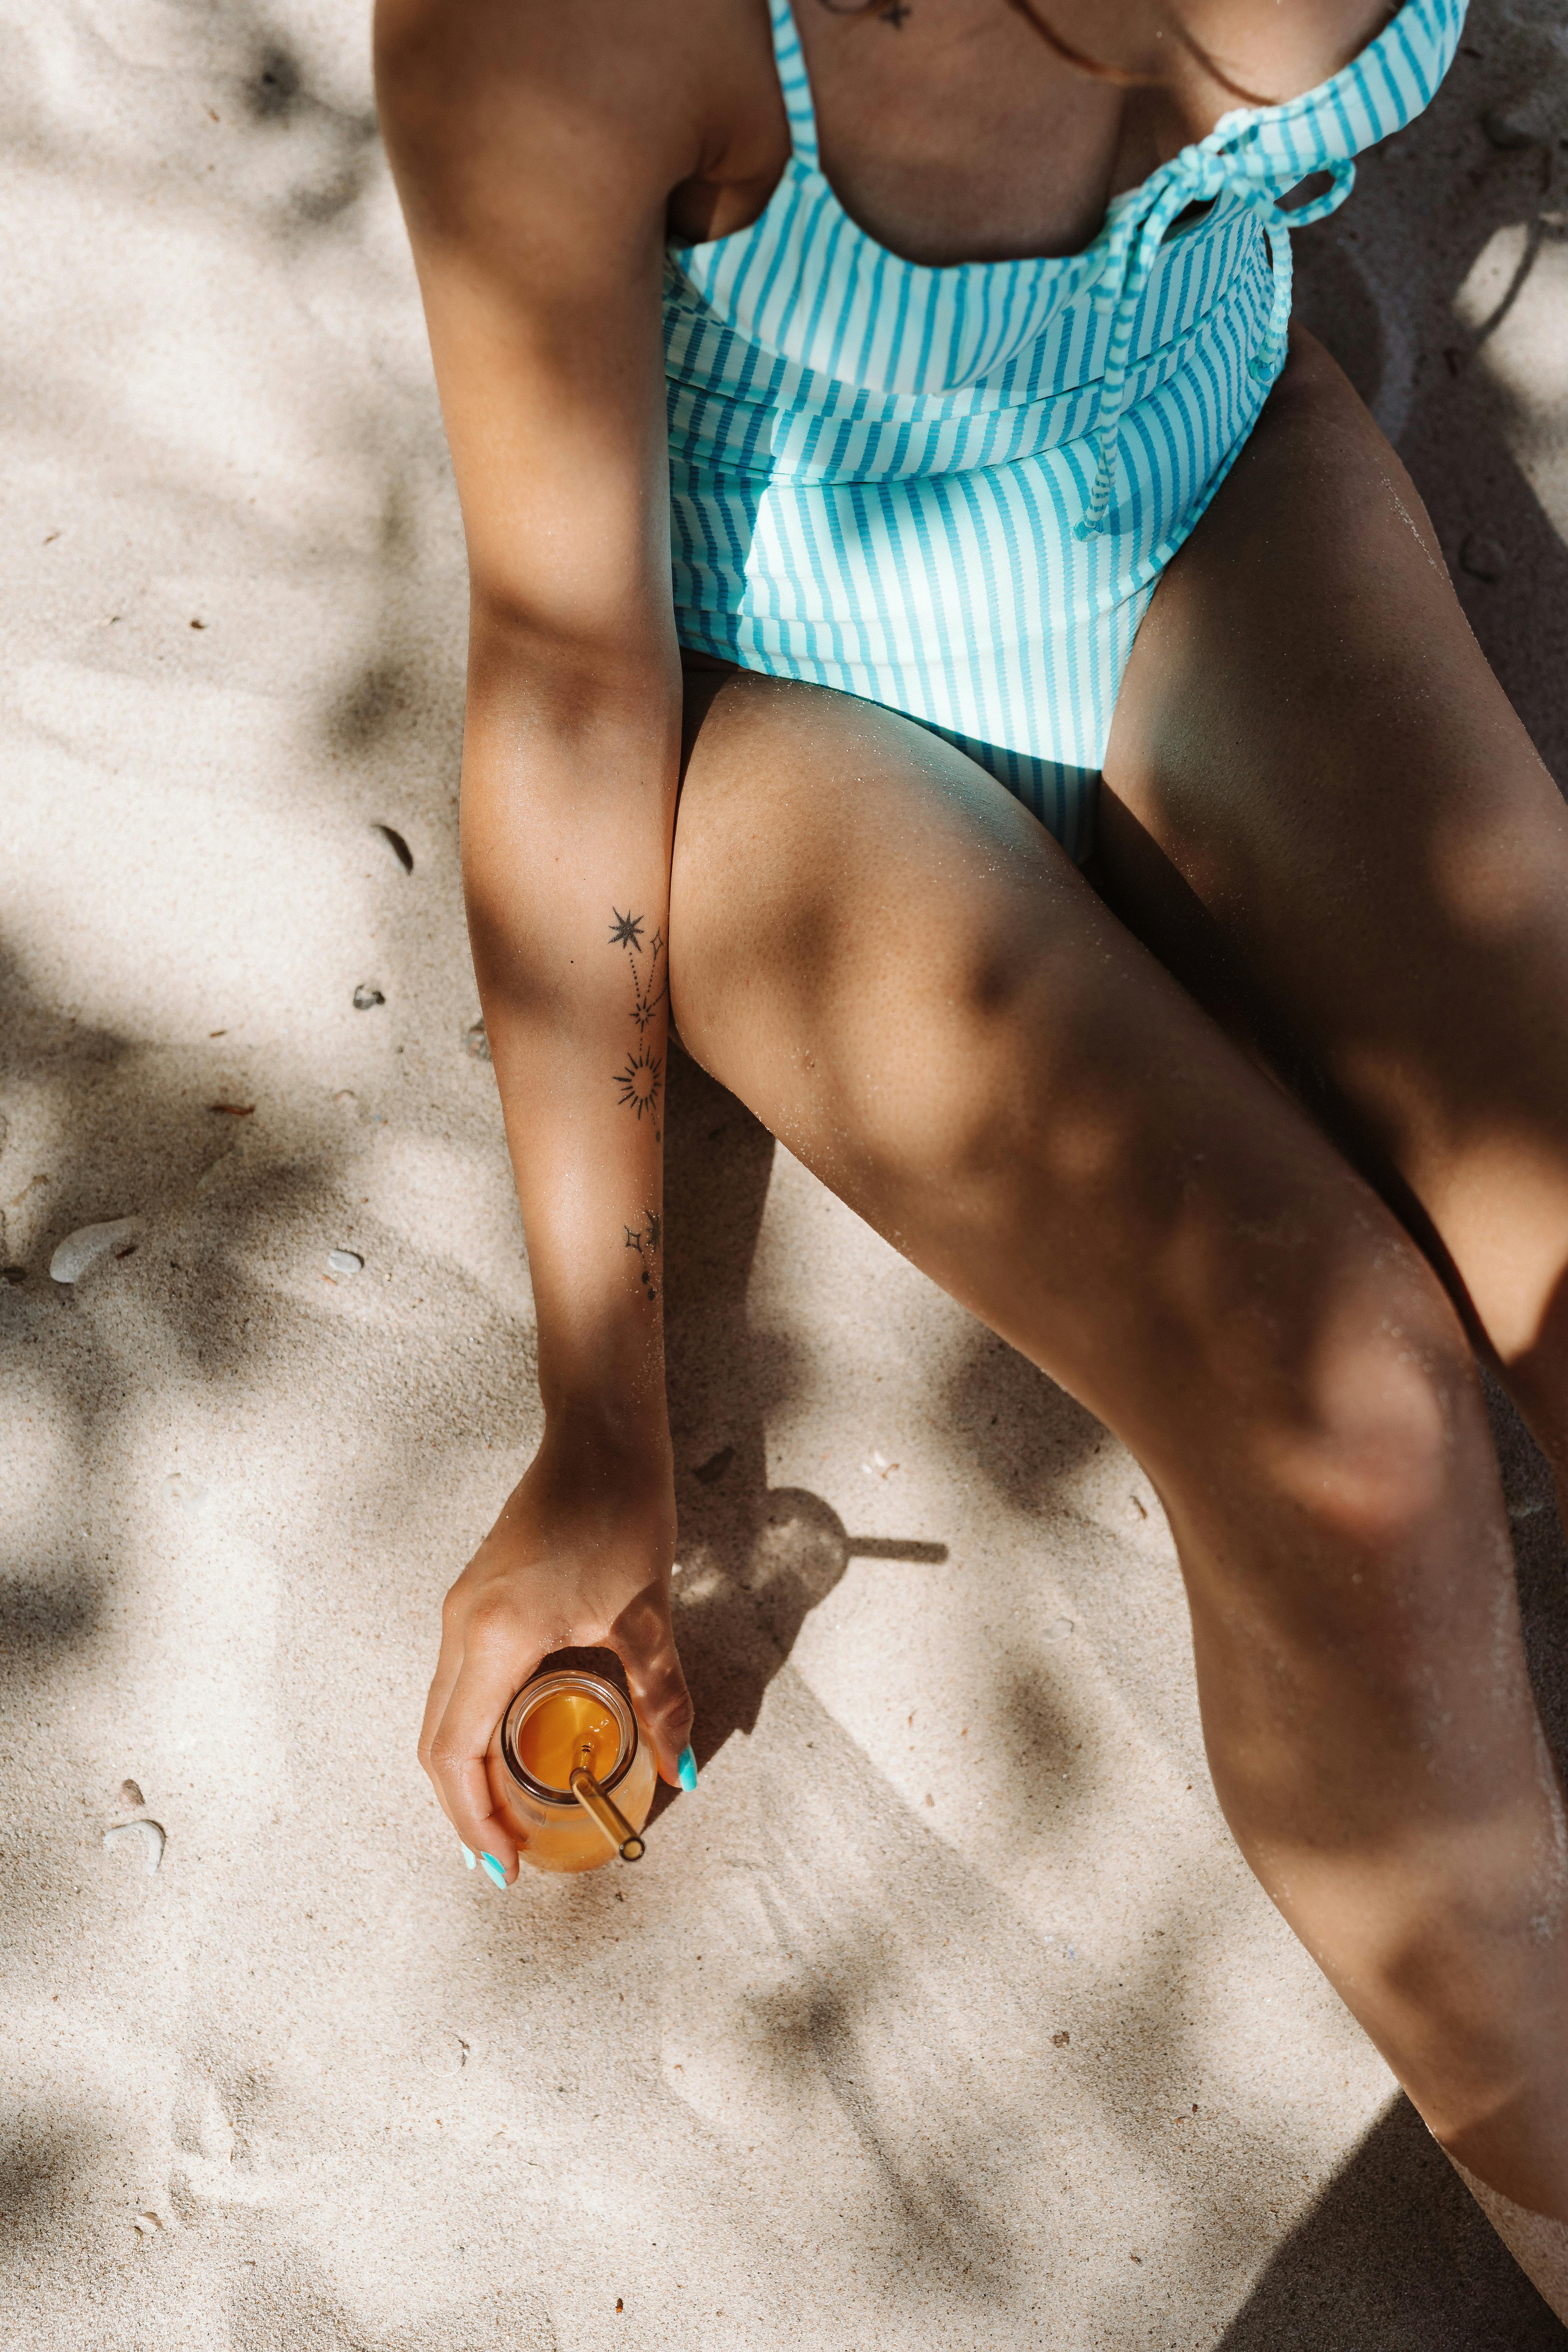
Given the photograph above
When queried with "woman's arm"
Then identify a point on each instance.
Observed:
(533, 155)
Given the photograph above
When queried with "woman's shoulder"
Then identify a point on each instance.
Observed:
(628, 87)
(1272, 51)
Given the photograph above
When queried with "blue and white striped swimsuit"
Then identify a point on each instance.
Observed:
(952, 491)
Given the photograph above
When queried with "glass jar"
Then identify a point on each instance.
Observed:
(564, 1721)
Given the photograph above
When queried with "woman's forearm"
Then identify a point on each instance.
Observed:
(569, 781)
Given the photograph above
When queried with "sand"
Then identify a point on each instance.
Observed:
(943, 2014)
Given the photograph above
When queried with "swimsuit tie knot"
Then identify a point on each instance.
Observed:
(1228, 163)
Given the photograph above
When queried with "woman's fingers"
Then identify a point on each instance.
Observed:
(531, 1588)
(493, 1666)
(440, 1691)
(644, 1640)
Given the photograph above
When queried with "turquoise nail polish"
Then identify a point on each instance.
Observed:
(467, 1858)
(687, 1768)
(493, 1870)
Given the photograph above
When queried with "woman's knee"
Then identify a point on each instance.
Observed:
(1349, 1491)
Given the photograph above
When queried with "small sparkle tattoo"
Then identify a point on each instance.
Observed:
(644, 1239)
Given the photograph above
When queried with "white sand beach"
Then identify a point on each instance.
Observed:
(943, 2015)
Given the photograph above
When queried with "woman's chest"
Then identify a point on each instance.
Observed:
(956, 130)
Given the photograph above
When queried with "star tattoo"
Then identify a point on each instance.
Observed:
(626, 930)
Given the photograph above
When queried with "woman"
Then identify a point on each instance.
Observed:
(972, 504)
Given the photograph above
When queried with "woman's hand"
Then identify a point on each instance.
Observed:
(580, 1558)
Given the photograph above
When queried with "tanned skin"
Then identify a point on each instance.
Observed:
(1321, 823)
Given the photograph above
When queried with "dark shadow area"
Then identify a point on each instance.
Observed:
(1334, 302)
(39, 2171)
(42, 1616)
(274, 87)
(754, 1560)
(942, 2200)
(1396, 2256)
(368, 709)
(1377, 283)
(275, 97)
(148, 1126)
(1012, 1423)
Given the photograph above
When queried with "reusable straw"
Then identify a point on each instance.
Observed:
(610, 1817)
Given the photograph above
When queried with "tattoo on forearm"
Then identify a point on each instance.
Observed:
(648, 965)
(642, 1080)
(644, 1238)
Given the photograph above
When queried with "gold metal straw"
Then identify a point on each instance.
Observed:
(610, 1817)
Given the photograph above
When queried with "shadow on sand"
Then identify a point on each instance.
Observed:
(1396, 2256)
(755, 1560)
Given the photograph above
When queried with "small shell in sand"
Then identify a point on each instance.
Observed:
(345, 1262)
(147, 1835)
(396, 842)
(88, 1245)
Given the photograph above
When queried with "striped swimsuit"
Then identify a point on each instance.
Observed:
(952, 491)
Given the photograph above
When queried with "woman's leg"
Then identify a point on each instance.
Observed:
(1323, 816)
(890, 962)
(1321, 800)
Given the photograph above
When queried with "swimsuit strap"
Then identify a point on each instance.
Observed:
(795, 83)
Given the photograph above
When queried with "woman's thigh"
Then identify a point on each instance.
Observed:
(898, 970)
(1321, 806)
(896, 967)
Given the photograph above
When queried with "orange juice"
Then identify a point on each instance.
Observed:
(557, 1723)
(553, 1736)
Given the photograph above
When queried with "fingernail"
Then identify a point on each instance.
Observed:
(467, 1858)
(687, 1768)
(493, 1871)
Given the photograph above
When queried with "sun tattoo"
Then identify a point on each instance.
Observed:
(640, 1081)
